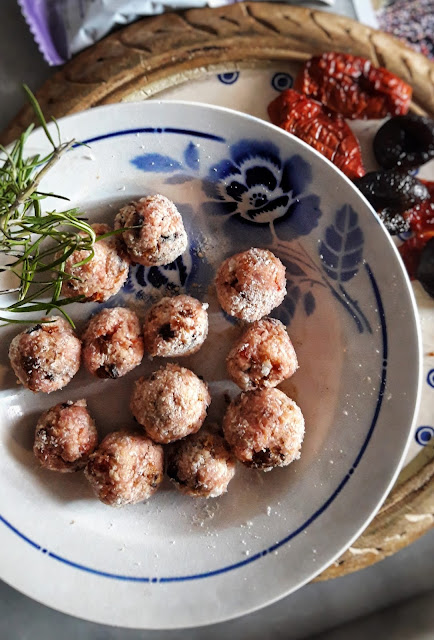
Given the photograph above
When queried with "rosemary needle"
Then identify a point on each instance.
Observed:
(36, 244)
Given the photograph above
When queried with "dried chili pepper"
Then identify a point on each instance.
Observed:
(353, 87)
(325, 131)
(421, 220)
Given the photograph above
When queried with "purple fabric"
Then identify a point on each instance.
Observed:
(37, 16)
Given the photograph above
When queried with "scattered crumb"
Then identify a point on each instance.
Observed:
(360, 552)
(417, 517)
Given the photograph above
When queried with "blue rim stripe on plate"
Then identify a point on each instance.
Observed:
(129, 132)
(21, 535)
(317, 513)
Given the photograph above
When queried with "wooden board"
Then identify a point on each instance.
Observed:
(156, 53)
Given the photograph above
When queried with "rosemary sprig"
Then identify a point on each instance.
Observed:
(38, 244)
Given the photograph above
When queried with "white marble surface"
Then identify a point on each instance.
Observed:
(404, 583)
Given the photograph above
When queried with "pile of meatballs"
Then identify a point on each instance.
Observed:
(262, 427)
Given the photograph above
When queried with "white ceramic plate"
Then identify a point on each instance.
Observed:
(175, 561)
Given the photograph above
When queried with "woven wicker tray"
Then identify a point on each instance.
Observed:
(155, 54)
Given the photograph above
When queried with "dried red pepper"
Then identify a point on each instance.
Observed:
(353, 87)
(325, 131)
(421, 219)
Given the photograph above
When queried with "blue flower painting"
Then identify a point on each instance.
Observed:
(255, 186)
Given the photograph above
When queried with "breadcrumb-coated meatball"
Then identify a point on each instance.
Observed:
(201, 465)
(175, 327)
(263, 356)
(126, 468)
(250, 284)
(101, 277)
(47, 356)
(65, 436)
(171, 403)
(159, 237)
(112, 343)
(264, 429)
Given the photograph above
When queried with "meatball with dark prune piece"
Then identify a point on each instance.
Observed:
(170, 404)
(250, 284)
(65, 437)
(104, 275)
(126, 468)
(47, 356)
(156, 235)
(112, 343)
(201, 465)
(263, 356)
(175, 327)
(264, 429)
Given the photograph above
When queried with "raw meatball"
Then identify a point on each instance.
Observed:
(65, 437)
(171, 403)
(47, 356)
(160, 235)
(175, 327)
(101, 277)
(201, 465)
(263, 356)
(264, 429)
(112, 344)
(251, 284)
(126, 468)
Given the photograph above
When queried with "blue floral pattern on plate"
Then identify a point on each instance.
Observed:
(254, 186)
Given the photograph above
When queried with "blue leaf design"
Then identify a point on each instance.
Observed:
(156, 163)
(296, 175)
(309, 303)
(179, 179)
(295, 294)
(341, 249)
(191, 157)
(294, 269)
(291, 301)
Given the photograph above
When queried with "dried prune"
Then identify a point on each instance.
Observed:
(394, 190)
(404, 141)
(421, 220)
(425, 270)
(394, 222)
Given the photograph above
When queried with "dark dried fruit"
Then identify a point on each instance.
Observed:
(404, 141)
(394, 222)
(35, 328)
(394, 190)
(325, 131)
(353, 87)
(166, 332)
(421, 220)
(425, 270)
